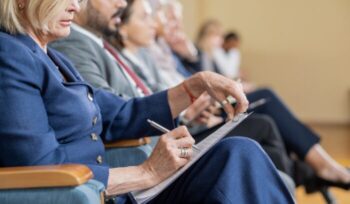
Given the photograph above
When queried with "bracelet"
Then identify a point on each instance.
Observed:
(192, 97)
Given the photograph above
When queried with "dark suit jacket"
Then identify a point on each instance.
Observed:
(45, 120)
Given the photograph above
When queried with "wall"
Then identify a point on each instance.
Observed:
(299, 48)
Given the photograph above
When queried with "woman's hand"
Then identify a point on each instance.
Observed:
(167, 157)
(182, 45)
(217, 86)
(196, 112)
(203, 112)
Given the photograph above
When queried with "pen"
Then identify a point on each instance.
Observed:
(251, 106)
(164, 130)
(157, 126)
(258, 103)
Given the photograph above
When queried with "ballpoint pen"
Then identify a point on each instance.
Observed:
(251, 106)
(164, 130)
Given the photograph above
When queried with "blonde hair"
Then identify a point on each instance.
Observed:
(36, 13)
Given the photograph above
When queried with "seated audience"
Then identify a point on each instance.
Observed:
(138, 25)
(297, 137)
(128, 21)
(47, 104)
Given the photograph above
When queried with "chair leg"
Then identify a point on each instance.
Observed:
(328, 196)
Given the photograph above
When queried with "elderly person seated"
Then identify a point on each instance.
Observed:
(138, 24)
(47, 105)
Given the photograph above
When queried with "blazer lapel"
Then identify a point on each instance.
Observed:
(68, 74)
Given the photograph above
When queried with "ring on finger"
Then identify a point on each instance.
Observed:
(184, 152)
(224, 102)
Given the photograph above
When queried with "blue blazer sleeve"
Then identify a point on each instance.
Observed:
(128, 119)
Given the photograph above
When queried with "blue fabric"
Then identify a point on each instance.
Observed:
(180, 67)
(297, 137)
(192, 66)
(48, 121)
(227, 174)
(88, 193)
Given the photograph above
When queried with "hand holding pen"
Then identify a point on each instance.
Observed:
(165, 130)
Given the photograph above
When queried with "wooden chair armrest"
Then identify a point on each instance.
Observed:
(44, 176)
(129, 143)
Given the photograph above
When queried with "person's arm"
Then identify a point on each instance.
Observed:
(164, 161)
(181, 45)
(217, 86)
(127, 119)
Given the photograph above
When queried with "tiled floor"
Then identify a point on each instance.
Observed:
(336, 140)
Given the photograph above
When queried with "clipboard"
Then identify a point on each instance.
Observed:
(144, 196)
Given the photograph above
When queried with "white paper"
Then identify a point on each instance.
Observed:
(143, 196)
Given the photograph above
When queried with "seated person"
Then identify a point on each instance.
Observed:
(45, 103)
(297, 137)
(139, 32)
(231, 55)
(137, 23)
(231, 51)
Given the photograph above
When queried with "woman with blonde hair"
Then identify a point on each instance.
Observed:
(46, 104)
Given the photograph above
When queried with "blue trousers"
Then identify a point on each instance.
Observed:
(236, 170)
(297, 137)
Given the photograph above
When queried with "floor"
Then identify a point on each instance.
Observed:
(336, 140)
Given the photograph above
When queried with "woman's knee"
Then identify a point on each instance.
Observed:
(237, 144)
(264, 119)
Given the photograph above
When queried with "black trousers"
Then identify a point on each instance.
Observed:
(297, 137)
(263, 130)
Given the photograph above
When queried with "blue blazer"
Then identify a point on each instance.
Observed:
(45, 120)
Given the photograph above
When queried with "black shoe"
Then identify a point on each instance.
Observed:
(307, 177)
(317, 184)
(338, 184)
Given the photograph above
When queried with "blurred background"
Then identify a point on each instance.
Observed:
(299, 48)
(302, 50)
